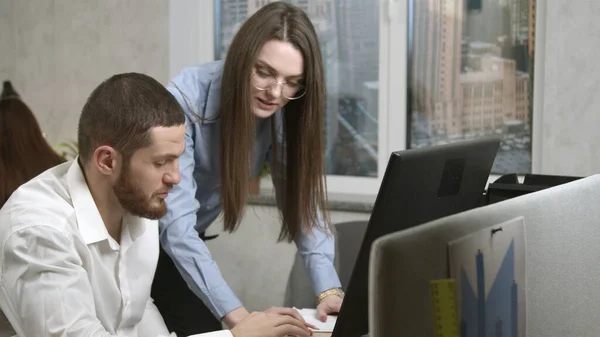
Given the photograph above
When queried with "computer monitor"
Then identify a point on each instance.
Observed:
(419, 185)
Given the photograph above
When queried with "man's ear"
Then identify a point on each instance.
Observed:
(106, 160)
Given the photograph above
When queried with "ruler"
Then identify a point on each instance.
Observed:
(445, 310)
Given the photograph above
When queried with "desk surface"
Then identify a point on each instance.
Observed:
(315, 334)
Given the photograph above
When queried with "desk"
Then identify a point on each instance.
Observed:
(315, 334)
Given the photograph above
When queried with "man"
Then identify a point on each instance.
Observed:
(79, 243)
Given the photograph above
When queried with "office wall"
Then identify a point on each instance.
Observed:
(569, 79)
(57, 51)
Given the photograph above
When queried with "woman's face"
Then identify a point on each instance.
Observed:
(278, 71)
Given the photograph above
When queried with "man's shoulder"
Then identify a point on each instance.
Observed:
(42, 201)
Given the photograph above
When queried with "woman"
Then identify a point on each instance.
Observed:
(24, 153)
(265, 102)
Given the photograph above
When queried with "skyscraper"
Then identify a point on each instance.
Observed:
(489, 23)
(358, 39)
(232, 14)
(531, 32)
(348, 32)
(462, 81)
(437, 61)
(519, 20)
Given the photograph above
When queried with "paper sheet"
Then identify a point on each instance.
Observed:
(489, 268)
(310, 316)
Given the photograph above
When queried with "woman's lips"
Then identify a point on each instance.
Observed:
(265, 104)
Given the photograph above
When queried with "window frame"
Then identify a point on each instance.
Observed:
(192, 37)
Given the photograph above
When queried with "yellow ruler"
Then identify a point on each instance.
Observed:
(445, 310)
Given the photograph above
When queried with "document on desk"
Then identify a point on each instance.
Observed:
(310, 316)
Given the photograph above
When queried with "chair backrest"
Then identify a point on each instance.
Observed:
(349, 235)
(562, 231)
(349, 238)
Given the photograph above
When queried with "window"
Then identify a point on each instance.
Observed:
(349, 36)
(491, 46)
(387, 78)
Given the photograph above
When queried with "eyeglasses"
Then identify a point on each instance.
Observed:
(265, 81)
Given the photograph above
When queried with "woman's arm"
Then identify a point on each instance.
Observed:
(178, 236)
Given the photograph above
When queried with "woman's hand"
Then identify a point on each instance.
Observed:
(328, 305)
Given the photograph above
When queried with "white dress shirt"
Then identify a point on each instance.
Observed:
(62, 274)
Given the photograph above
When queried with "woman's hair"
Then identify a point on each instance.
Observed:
(300, 166)
(24, 153)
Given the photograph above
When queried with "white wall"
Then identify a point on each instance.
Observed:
(568, 77)
(187, 46)
(57, 51)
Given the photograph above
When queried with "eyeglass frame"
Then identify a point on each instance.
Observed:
(275, 81)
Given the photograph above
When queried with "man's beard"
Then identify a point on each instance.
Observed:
(133, 199)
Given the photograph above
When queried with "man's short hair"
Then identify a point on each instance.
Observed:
(121, 111)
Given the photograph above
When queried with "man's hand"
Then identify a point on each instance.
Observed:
(285, 311)
(277, 323)
(289, 312)
(329, 305)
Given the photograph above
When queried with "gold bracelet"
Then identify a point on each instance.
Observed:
(333, 291)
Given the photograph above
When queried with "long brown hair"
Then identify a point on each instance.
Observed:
(24, 153)
(302, 192)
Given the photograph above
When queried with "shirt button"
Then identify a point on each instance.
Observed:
(209, 207)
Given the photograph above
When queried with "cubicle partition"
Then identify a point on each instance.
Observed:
(560, 266)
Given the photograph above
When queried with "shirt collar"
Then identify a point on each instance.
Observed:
(208, 107)
(89, 221)
(136, 225)
(133, 228)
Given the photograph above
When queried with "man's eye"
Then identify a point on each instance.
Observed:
(159, 163)
(263, 74)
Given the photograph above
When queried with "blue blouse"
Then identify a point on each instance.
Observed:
(194, 203)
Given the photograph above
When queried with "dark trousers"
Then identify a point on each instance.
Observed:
(184, 313)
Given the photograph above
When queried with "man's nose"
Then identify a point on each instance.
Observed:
(173, 177)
